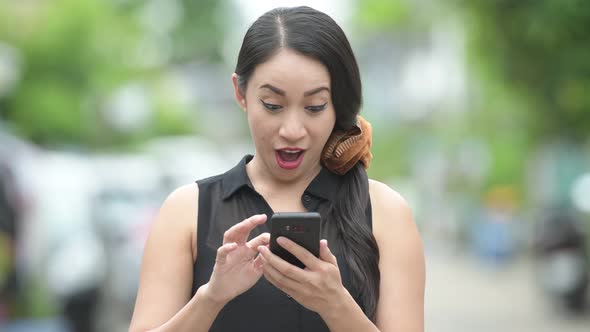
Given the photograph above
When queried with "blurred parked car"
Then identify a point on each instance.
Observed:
(561, 252)
(15, 154)
(124, 205)
(184, 159)
(61, 243)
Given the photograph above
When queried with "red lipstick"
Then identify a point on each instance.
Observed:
(289, 158)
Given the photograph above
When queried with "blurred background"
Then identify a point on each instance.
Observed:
(481, 116)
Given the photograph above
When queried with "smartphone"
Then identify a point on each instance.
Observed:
(302, 228)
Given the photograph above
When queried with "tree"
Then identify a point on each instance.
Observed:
(74, 54)
(539, 52)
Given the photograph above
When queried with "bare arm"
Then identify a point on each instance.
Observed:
(164, 297)
(402, 268)
(402, 265)
(164, 300)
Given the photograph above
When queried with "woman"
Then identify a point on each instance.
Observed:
(206, 264)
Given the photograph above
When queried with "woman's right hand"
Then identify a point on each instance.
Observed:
(237, 266)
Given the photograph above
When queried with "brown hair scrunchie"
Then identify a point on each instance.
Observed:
(345, 148)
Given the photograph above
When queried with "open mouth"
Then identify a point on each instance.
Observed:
(289, 158)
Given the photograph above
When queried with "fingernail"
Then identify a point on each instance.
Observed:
(281, 240)
(261, 248)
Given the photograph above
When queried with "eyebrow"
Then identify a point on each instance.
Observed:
(316, 90)
(283, 93)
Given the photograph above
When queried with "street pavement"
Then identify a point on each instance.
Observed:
(464, 294)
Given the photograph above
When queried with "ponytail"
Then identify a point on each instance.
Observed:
(359, 245)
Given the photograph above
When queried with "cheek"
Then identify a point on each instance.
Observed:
(325, 136)
(326, 126)
(260, 127)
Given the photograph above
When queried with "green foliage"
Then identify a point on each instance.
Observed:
(390, 151)
(382, 15)
(538, 50)
(74, 54)
(198, 33)
(48, 110)
(169, 121)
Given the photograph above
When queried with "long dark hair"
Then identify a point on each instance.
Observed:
(315, 34)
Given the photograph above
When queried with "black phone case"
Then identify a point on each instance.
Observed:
(304, 228)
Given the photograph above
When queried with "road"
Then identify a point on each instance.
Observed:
(464, 294)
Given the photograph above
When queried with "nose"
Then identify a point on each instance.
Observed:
(292, 128)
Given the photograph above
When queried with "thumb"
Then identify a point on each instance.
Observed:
(326, 254)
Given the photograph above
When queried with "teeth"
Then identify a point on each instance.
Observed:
(288, 151)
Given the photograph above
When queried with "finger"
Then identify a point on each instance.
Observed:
(298, 251)
(286, 268)
(278, 279)
(258, 263)
(260, 240)
(239, 232)
(223, 251)
(326, 253)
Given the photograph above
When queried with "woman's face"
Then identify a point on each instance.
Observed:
(290, 113)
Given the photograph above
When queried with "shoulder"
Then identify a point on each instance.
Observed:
(180, 208)
(383, 194)
(181, 199)
(393, 221)
(385, 200)
(178, 214)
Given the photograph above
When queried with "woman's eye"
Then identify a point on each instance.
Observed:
(316, 108)
(271, 107)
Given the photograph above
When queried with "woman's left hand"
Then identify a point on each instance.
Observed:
(318, 287)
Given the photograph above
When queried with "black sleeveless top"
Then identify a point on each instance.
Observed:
(225, 200)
